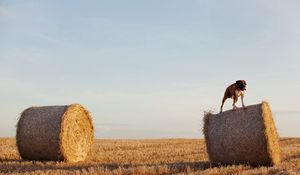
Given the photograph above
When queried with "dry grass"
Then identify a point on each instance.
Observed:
(165, 156)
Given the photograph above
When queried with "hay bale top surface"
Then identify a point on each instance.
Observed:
(242, 136)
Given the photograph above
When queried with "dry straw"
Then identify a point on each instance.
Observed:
(55, 133)
(242, 137)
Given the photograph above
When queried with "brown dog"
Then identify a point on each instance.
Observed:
(234, 91)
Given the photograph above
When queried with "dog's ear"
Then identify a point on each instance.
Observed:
(238, 82)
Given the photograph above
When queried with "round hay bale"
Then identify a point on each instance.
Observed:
(55, 133)
(242, 137)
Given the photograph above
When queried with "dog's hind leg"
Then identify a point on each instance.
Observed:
(223, 101)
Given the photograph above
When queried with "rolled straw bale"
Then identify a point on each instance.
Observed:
(242, 136)
(55, 133)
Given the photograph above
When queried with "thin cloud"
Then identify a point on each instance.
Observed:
(5, 12)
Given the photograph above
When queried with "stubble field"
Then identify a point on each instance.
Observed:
(161, 156)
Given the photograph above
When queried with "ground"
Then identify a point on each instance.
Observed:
(160, 156)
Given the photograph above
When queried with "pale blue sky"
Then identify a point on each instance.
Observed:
(148, 69)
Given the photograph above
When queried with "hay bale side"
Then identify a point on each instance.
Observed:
(55, 133)
(242, 136)
(271, 134)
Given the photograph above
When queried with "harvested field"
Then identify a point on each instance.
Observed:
(161, 156)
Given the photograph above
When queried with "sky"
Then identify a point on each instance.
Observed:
(149, 69)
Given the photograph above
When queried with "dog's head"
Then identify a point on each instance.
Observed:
(241, 84)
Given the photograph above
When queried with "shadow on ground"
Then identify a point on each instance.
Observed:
(20, 166)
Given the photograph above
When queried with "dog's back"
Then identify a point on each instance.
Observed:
(229, 92)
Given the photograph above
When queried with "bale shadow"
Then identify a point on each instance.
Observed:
(182, 166)
(21, 166)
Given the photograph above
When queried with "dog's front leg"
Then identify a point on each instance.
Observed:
(242, 98)
(235, 98)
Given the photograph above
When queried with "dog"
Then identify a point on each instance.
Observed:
(235, 91)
